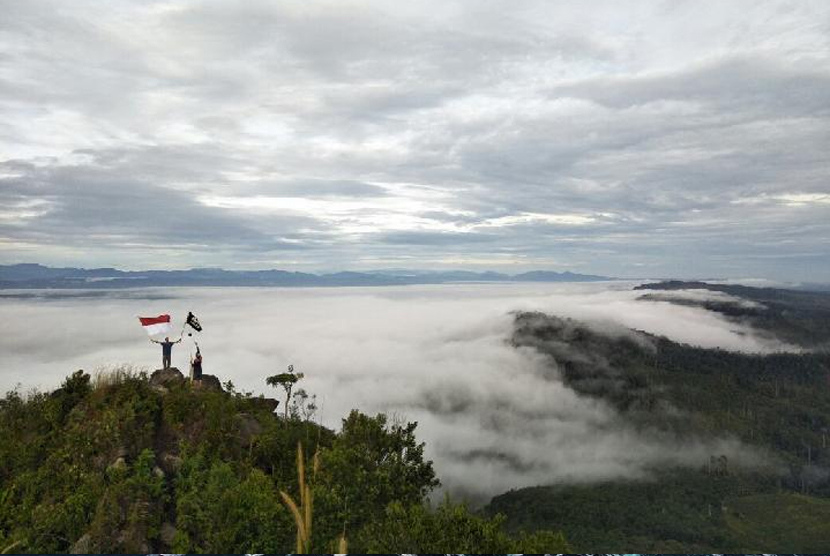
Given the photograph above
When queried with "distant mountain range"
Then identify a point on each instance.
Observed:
(39, 276)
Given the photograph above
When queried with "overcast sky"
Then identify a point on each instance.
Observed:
(676, 138)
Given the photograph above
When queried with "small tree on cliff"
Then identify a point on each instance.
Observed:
(287, 381)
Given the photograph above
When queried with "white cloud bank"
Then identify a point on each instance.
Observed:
(491, 416)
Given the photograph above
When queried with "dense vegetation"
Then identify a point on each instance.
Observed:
(676, 512)
(123, 464)
(777, 404)
(127, 463)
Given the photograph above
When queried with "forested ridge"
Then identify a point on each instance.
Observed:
(122, 463)
(796, 316)
(777, 404)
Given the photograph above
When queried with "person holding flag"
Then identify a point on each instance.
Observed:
(196, 365)
(195, 362)
(166, 350)
(160, 325)
(155, 326)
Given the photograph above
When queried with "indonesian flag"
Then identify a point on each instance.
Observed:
(156, 325)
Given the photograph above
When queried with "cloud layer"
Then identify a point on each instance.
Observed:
(494, 417)
(667, 138)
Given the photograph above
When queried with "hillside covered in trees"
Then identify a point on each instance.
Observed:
(777, 405)
(124, 463)
(796, 316)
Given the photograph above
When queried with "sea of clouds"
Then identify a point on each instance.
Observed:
(493, 416)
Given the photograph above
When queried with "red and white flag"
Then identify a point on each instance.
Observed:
(156, 325)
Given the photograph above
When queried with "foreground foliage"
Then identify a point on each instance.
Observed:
(121, 466)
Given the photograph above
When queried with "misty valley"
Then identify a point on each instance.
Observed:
(499, 417)
(371, 276)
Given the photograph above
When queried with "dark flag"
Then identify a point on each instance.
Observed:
(193, 322)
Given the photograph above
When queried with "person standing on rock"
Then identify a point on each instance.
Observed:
(166, 350)
(196, 366)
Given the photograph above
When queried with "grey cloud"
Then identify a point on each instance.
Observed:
(88, 204)
(668, 122)
(435, 238)
(369, 39)
(745, 84)
(312, 188)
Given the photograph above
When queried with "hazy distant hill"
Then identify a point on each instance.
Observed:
(778, 404)
(799, 317)
(38, 276)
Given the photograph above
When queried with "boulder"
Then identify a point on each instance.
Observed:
(266, 404)
(82, 546)
(119, 463)
(249, 427)
(167, 534)
(165, 378)
(170, 463)
(208, 382)
(124, 538)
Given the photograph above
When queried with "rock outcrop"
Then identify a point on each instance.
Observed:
(268, 404)
(164, 378)
(83, 545)
(168, 534)
(170, 463)
(208, 382)
(249, 428)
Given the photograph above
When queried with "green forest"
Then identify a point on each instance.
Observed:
(777, 404)
(126, 462)
(122, 463)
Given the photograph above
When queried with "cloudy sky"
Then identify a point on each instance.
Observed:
(682, 138)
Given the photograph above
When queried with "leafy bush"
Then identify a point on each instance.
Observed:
(220, 510)
(117, 466)
(369, 465)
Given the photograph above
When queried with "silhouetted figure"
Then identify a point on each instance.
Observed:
(166, 351)
(196, 366)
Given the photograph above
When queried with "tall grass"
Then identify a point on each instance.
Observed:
(303, 512)
(12, 546)
(105, 377)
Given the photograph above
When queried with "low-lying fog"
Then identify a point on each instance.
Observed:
(436, 354)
